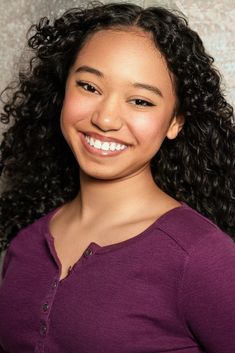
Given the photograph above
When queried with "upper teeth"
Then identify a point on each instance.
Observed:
(105, 146)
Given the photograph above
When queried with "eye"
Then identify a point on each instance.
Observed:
(143, 103)
(86, 86)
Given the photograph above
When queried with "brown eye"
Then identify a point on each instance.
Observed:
(143, 103)
(86, 86)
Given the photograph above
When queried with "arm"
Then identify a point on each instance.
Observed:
(207, 294)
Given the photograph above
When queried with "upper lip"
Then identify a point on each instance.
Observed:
(104, 138)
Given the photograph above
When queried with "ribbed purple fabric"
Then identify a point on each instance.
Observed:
(169, 289)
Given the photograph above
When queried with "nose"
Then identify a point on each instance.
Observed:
(107, 116)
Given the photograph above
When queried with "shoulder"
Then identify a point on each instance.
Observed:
(209, 253)
(190, 230)
(35, 231)
(29, 240)
(207, 281)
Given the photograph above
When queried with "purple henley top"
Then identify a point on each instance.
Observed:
(170, 288)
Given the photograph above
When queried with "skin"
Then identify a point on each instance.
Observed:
(116, 193)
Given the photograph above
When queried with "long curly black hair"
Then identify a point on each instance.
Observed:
(38, 170)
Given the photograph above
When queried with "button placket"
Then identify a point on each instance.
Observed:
(45, 307)
(54, 284)
(48, 301)
(43, 329)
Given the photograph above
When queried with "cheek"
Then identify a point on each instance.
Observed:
(76, 109)
(151, 129)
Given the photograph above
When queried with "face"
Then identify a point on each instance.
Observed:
(119, 103)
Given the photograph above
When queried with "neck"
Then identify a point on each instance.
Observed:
(114, 198)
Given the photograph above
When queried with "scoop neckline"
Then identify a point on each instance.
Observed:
(98, 249)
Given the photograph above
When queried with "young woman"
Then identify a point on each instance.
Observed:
(118, 171)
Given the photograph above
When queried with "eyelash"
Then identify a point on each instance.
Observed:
(146, 103)
(83, 84)
(92, 89)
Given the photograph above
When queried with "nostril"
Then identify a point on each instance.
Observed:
(107, 122)
(106, 127)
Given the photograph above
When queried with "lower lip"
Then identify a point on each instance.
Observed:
(99, 152)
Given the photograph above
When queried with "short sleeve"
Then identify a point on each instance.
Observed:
(207, 293)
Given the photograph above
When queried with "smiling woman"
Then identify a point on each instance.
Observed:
(115, 98)
(118, 168)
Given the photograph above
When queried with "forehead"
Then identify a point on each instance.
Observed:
(118, 41)
(126, 54)
(125, 34)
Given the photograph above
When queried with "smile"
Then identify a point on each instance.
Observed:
(104, 145)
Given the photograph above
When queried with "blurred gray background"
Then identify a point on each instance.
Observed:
(213, 20)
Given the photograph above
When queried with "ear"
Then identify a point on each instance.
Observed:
(175, 126)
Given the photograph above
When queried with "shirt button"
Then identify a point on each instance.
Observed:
(45, 307)
(54, 285)
(88, 252)
(43, 329)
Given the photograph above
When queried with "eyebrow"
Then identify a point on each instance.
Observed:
(91, 70)
(150, 88)
(98, 73)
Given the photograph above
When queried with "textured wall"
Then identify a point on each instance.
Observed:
(213, 19)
